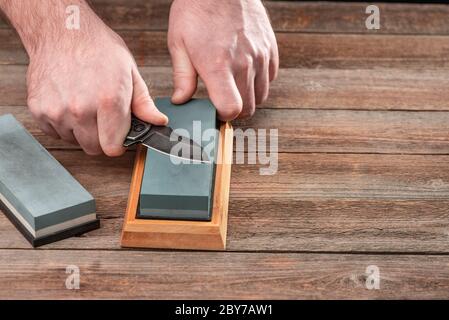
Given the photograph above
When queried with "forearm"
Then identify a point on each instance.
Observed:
(39, 22)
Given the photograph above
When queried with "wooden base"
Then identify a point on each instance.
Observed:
(181, 234)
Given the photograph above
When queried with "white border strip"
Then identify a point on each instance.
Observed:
(51, 229)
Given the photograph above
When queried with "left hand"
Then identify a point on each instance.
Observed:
(230, 45)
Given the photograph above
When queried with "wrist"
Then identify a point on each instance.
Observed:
(44, 24)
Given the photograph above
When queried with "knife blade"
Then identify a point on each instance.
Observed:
(163, 139)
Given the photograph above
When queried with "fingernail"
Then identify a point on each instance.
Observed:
(164, 117)
(177, 94)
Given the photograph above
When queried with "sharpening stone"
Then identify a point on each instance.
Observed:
(36, 193)
(181, 191)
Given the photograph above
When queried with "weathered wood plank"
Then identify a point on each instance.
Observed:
(134, 14)
(362, 51)
(354, 176)
(293, 16)
(354, 131)
(340, 131)
(376, 89)
(11, 48)
(338, 225)
(290, 16)
(40, 274)
(316, 202)
(296, 50)
(344, 17)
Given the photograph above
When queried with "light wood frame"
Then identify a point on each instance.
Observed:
(182, 234)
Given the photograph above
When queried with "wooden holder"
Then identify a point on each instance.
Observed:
(182, 234)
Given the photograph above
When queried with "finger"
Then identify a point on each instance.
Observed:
(56, 118)
(113, 122)
(274, 62)
(35, 106)
(262, 83)
(66, 134)
(143, 106)
(245, 84)
(88, 138)
(185, 78)
(48, 129)
(224, 94)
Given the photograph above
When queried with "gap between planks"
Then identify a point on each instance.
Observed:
(233, 251)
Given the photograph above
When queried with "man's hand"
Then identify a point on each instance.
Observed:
(230, 45)
(82, 84)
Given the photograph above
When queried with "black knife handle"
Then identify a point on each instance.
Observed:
(138, 129)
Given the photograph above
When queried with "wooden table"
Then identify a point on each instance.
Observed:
(363, 119)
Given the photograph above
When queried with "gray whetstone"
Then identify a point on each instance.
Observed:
(34, 183)
(180, 191)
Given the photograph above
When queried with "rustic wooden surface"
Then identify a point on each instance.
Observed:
(362, 119)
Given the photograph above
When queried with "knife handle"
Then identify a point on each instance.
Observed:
(138, 129)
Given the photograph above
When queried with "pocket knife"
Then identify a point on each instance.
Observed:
(163, 139)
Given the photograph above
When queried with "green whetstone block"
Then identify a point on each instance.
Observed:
(36, 193)
(181, 191)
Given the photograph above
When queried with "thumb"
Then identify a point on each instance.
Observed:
(142, 105)
(184, 76)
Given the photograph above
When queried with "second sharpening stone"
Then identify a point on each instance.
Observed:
(38, 195)
(181, 191)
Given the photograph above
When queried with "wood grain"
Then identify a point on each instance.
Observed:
(351, 51)
(336, 131)
(361, 51)
(317, 202)
(352, 131)
(311, 230)
(345, 17)
(376, 89)
(141, 274)
(290, 16)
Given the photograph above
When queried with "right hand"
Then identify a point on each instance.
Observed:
(83, 86)
(230, 45)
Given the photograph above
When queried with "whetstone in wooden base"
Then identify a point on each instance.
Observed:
(182, 234)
